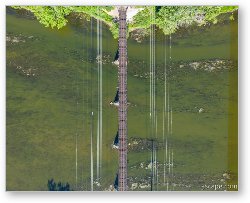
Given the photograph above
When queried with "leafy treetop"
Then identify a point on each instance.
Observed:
(167, 18)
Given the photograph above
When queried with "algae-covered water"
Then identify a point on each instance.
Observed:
(52, 90)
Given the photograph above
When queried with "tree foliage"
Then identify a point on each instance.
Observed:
(55, 16)
(50, 16)
(167, 18)
(170, 18)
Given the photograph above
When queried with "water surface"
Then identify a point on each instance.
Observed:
(52, 90)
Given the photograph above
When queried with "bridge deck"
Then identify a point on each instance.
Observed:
(122, 110)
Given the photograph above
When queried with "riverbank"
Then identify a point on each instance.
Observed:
(166, 18)
(131, 12)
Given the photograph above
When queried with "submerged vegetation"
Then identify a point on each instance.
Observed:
(167, 18)
(53, 186)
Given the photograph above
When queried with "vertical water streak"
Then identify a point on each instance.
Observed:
(172, 175)
(91, 154)
(150, 101)
(153, 172)
(163, 137)
(169, 161)
(91, 107)
(76, 163)
(76, 135)
(171, 121)
(168, 110)
(100, 104)
(172, 162)
(150, 75)
(97, 148)
(156, 132)
(166, 155)
(151, 159)
(153, 164)
(98, 100)
(171, 112)
(164, 113)
(153, 67)
(156, 169)
(167, 148)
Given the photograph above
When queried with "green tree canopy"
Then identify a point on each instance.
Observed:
(167, 18)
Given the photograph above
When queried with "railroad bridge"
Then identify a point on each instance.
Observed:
(122, 109)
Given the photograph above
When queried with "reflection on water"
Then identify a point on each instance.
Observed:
(52, 90)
